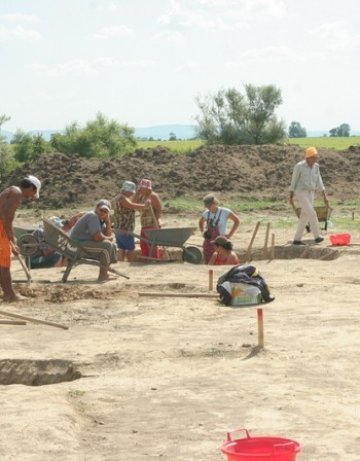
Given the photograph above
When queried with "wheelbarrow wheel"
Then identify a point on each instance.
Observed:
(192, 255)
(28, 245)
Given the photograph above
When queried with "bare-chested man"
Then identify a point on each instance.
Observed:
(10, 200)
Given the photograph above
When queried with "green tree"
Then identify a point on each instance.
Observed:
(232, 118)
(28, 147)
(296, 130)
(99, 138)
(341, 131)
(5, 157)
(172, 136)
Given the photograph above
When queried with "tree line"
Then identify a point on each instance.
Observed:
(226, 117)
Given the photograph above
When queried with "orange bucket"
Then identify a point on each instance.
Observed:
(259, 448)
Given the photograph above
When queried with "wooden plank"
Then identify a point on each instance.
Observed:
(162, 294)
(12, 322)
(32, 320)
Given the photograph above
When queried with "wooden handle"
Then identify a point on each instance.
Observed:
(23, 265)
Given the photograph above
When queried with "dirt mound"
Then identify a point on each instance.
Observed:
(236, 171)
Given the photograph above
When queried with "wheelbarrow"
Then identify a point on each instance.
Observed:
(323, 214)
(173, 237)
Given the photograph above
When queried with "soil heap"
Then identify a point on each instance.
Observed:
(255, 172)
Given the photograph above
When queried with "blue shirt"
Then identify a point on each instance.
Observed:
(87, 226)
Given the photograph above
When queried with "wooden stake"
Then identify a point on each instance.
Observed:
(211, 280)
(30, 319)
(248, 253)
(265, 250)
(162, 294)
(260, 323)
(272, 252)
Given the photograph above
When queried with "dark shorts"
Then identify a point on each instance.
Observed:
(125, 242)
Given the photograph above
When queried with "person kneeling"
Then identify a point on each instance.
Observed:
(224, 254)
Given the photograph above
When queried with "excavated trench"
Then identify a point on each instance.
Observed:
(37, 372)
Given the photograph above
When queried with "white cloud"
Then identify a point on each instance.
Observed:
(19, 17)
(219, 15)
(336, 36)
(82, 66)
(274, 54)
(171, 36)
(113, 32)
(189, 66)
(190, 18)
(18, 33)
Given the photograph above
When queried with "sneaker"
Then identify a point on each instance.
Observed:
(319, 239)
(298, 242)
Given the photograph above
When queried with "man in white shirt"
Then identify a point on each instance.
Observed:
(306, 179)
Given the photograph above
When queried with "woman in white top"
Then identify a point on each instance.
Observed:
(213, 222)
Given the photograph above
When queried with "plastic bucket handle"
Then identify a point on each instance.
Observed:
(284, 447)
(229, 434)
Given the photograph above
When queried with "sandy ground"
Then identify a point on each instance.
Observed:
(165, 378)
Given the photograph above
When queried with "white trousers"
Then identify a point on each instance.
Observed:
(308, 214)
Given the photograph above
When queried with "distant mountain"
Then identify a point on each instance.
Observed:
(156, 132)
(163, 131)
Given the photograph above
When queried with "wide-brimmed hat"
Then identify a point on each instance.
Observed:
(128, 186)
(311, 152)
(145, 184)
(35, 182)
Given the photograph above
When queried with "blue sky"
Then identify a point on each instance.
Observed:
(143, 62)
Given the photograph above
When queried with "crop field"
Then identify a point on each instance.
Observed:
(327, 142)
(186, 146)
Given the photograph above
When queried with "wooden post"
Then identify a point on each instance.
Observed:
(211, 280)
(248, 253)
(272, 251)
(265, 250)
(260, 322)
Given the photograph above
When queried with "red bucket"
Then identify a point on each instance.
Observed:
(340, 239)
(259, 448)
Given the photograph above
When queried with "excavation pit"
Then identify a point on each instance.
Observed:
(37, 372)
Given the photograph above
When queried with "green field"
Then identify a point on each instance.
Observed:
(181, 147)
(186, 146)
(327, 142)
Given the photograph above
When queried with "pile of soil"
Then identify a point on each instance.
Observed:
(255, 172)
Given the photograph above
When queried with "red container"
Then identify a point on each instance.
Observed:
(259, 448)
(340, 239)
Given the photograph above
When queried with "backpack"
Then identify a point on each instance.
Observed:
(247, 280)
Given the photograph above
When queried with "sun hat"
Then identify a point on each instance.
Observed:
(145, 184)
(128, 186)
(311, 152)
(35, 182)
(103, 204)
